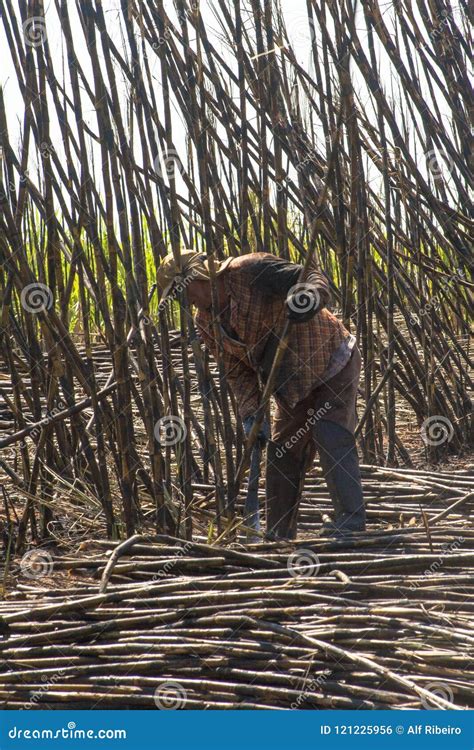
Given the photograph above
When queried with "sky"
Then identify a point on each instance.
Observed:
(297, 26)
(294, 11)
(296, 23)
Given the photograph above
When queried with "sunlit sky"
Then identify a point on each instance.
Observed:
(294, 12)
(296, 21)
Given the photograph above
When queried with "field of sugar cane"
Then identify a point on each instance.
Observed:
(129, 129)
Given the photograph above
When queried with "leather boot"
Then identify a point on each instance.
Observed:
(284, 485)
(340, 464)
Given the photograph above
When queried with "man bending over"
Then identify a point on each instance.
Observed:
(316, 385)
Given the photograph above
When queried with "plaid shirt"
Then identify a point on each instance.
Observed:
(256, 286)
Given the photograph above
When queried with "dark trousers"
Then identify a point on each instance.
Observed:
(324, 421)
(334, 401)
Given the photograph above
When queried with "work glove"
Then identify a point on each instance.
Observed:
(264, 433)
(303, 301)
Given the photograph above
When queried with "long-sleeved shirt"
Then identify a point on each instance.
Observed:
(256, 287)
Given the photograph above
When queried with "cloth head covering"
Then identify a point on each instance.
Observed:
(194, 265)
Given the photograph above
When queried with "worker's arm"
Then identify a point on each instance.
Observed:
(244, 383)
(241, 377)
(276, 277)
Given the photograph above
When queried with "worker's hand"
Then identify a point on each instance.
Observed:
(303, 302)
(264, 433)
